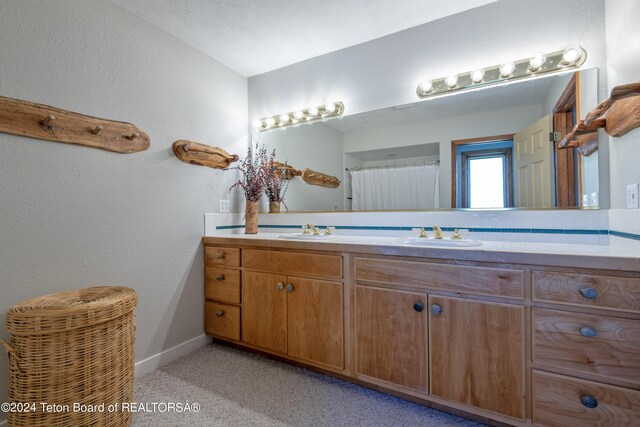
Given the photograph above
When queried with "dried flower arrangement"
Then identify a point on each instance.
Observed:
(255, 173)
(277, 184)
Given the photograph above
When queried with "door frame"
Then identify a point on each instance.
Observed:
(454, 152)
(565, 159)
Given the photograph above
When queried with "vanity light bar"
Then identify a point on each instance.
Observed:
(539, 63)
(299, 117)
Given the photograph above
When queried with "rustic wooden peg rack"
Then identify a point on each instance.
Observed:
(203, 155)
(40, 121)
(289, 171)
(312, 177)
(618, 115)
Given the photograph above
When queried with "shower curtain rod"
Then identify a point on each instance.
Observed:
(405, 165)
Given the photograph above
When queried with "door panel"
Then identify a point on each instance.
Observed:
(534, 165)
(477, 354)
(391, 336)
(315, 321)
(264, 311)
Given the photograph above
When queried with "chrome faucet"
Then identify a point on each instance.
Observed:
(437, 232)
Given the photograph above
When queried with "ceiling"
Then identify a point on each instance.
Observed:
(256, 36)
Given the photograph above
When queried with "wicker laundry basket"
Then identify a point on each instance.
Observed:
(69, 349)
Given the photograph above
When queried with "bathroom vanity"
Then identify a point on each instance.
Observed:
(500, 333)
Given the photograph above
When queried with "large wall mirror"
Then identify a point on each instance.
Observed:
(489, 148)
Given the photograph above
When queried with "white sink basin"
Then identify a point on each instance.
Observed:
(300, 236)
(439, 243)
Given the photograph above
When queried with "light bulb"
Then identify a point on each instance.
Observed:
(426, 86)
(284, 118)
(537, 61)
(258, 124)
(571, 55)
(270, 121)
(452, 81)
(330, 108)
(313, 112)
(299, 115)
(477, 76)
(506, 69)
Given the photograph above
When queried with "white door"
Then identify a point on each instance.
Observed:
(534, 165)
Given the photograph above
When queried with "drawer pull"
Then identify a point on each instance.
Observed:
(220, 277)
(588, 332)
(418, 307)
(219, 313)
(589, 293)
(436, 309)
(289, 287)
(280, 286)
(589, 401)
(220, 255)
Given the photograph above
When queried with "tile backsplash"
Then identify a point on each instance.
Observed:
(553, 226)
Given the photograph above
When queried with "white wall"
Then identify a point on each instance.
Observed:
(443, 131)
(75, 217)
(623, 66)
(315, 146)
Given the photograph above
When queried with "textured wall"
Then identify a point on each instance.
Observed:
(73, 217)
(623, 66)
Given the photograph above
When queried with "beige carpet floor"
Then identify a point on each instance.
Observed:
(236, 388)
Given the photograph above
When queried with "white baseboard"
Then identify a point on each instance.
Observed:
(152, 363)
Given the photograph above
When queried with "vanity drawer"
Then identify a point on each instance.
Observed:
(222, 320)
(293, 262)
(222, 284)
(622, 293)
(229, 257)
(455, 278)
(614, 351)
(558, 401)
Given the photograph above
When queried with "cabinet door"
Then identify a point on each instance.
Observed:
(477, 354)
(264, 311)
(391, 336)
(315, 321)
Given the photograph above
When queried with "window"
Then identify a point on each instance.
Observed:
(482, 173)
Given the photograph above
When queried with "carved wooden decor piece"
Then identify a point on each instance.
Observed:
(569, 141)
(203, 155)
(40, 121)
(617, 93)
(312, 177)
(289, 171)
(621, 115)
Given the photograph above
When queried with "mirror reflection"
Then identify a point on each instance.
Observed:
(490, 148)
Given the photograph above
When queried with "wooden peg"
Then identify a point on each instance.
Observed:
(47, 120)
(97, 130)
(132, 136)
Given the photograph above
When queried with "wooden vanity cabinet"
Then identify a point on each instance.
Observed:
(519, 344)
(296, 316)
(391, 336)
(477, 354)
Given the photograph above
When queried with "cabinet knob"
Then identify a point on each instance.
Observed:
(280, 286)
(219, 313)
(418, 306)
(588, 332)
(589, 401)
(220, 277)
(220, 255)
(289, 287)
(589, 293)
(436, 309)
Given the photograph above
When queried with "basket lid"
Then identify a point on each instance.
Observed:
(63, 311)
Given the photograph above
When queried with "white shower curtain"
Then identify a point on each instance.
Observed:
(408, 187)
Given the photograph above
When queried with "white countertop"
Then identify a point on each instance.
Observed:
(623, 254)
